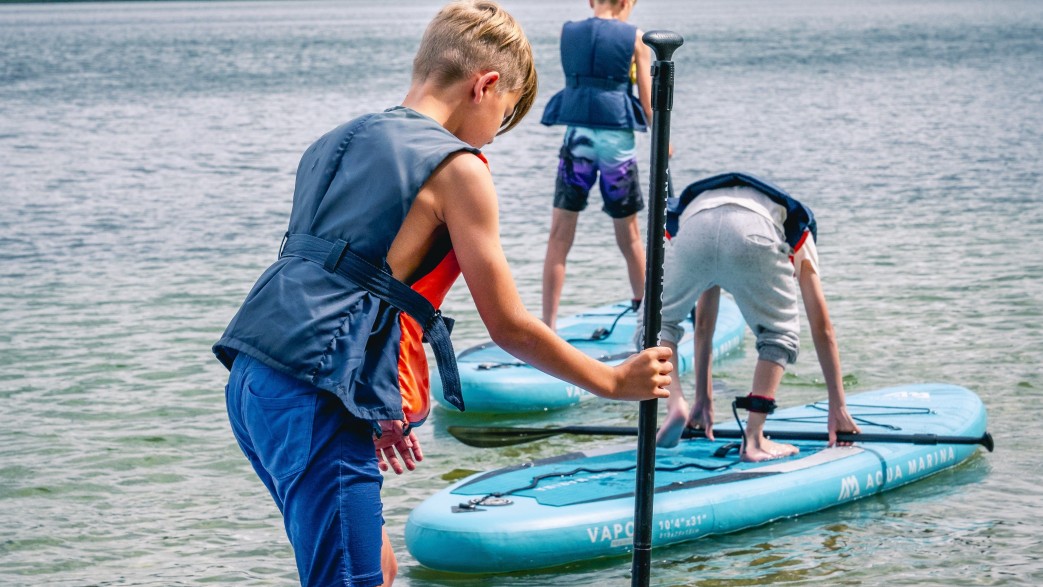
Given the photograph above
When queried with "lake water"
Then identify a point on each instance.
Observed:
(147, 157)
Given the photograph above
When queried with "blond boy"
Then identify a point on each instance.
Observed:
(325, 354)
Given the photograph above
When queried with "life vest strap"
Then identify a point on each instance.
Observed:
(338, 258)
(601, 83)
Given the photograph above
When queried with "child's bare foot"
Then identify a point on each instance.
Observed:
(670, 432)
(764, 449)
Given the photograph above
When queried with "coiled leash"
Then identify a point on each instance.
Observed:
(603, 333)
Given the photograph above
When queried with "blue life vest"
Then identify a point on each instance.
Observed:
(798, 216)
(327, 310)
(596, 54)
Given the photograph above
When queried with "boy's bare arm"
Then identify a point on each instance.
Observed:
(467, 202)
(822, 333)
(705, 324)
(643, 63)
(826, 348)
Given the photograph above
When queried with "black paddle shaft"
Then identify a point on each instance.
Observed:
(664, 43)
(497, 436)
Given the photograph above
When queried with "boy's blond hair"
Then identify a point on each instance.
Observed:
(473, 36)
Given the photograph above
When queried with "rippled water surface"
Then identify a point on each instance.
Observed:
(147, 153)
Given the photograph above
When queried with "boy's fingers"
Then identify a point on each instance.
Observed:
(662, 353)
(418, 454)
(407, 456)
(392, 458)
(666, 367)
(661, 356)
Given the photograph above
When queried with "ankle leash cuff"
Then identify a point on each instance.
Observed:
(755, 403)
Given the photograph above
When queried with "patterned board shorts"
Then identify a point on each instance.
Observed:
(590, 152)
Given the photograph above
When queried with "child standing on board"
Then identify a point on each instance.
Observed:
(328, 377)
(743, 234)
(603, 58)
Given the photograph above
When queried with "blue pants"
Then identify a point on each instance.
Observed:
(319, 464)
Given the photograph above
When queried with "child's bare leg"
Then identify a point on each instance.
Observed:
(676, 411)
(388, 562)
(766, 378)
(674, 424)
(628, 237)
(562, 233)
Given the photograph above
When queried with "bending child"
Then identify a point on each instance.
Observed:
(737, 232)
(328, 377)
(603, 58)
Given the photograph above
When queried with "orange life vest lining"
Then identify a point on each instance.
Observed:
(413, 371)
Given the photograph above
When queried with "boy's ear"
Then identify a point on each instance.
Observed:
(484, 83)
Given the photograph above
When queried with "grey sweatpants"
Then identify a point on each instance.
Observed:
(744, 253)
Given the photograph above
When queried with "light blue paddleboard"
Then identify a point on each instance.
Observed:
(496, 382)
(580, 506)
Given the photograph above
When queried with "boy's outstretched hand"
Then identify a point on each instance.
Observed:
(644, 375)
(393, 443)
(701, 417)
(840, 421)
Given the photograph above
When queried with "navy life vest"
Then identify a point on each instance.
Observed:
(596, 54)
(798, 216)
(326, 312)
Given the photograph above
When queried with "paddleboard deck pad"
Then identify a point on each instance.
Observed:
(580, 506)
(493, 381)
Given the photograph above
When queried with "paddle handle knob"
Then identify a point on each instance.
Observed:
(664, 43)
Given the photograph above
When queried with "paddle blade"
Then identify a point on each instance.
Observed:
(986, 441)
(493, 437)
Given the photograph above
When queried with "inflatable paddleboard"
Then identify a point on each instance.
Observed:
(580, 506)
(496, 382)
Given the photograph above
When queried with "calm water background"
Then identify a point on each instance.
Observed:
(147, 154)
